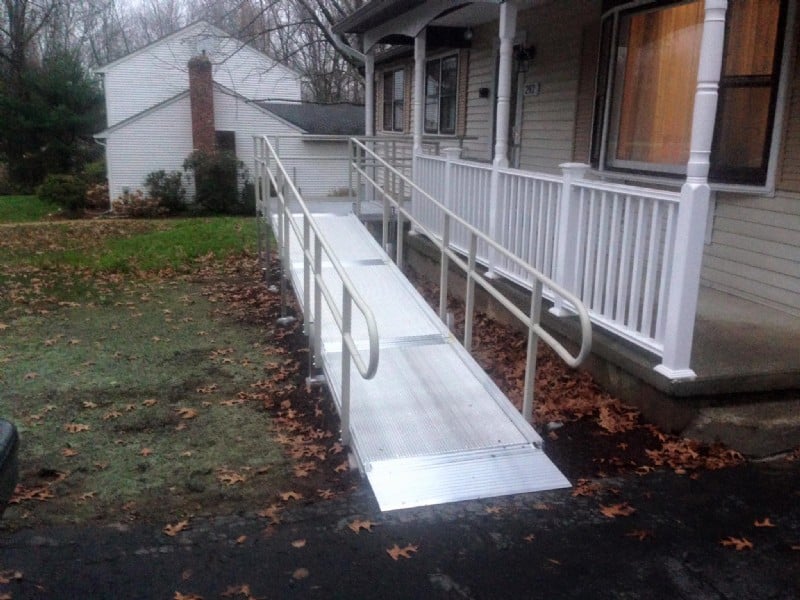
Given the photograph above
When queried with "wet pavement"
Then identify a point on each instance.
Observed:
(545, 545)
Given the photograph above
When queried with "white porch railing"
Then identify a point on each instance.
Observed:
(611, 245)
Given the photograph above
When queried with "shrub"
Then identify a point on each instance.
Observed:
(217, 177)
(94, 173)
(138, 205)
(167, 188)
(97, 196)
(67, 191)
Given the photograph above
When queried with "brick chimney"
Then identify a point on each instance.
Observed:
(201, 98)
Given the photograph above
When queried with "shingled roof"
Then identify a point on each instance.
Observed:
(320, 119)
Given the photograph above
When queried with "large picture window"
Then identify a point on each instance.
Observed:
(441, 91)
(393, 100)
(646, 89)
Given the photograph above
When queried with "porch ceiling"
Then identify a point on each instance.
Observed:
(394, 16)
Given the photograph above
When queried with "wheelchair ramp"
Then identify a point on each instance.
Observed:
(431, 427)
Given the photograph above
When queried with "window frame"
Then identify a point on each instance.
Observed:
(439, 97)
(394, 102)
(607, 87)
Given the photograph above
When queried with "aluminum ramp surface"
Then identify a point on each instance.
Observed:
(430, 427)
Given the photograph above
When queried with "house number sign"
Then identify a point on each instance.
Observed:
(533, 89)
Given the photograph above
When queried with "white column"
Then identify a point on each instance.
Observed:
(419, 89)
(369, 93)
(693, 212)
(507, 31)
(566, 265)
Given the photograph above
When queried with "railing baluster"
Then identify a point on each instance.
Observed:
(532, 350)
(445, 267)
(346, 325)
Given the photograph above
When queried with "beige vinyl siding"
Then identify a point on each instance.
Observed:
(755, 249)
(587, 80)
(479, 117)
(755, 245)
(548, 120)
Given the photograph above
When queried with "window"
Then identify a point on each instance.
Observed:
(441, 86)
(226, 141)
(393, 100)
(647, 81)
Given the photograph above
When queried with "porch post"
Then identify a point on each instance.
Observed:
(681, 309)
(418, 114)
(369, 93)
(419, 89)
(507, 31)
(369, 119)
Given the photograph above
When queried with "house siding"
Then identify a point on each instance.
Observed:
(163, 139)
(755, 244)
(549, 119)
(159, 72)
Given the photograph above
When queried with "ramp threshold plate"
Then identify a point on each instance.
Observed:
(431, 427)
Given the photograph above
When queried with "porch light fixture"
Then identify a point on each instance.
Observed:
(524, 56)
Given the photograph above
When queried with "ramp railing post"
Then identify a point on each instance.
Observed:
(565, 267)
(306, 272)
(317, 329)
(445, 267)
(533, 342)
(346, 324)
(469, 303)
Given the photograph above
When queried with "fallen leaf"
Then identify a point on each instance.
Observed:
(300, 573)
(342, 468)
(238, 590)
(230, 477)
(286, 496)
(396, 551)
(89, 404)
(529, 538)
(75, 427)
(640, 534)
(173, 530)
(3, 326)
(31, 376)
(272, 513)
(493, 510)
(179, 596)
(298, 543)
(554, 561)
(326, 494)
(69, 452)
(617, 510)
(241, 539)
(149, 402)
(145, 451)
(765, 522)
(358, 525)
(737, 544)
(9, 576)
(86, 496)
(186, 413)
(112, 415)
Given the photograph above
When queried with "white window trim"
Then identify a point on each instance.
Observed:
(768, 189)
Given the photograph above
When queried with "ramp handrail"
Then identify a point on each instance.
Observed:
(280, 182)
(360, 151)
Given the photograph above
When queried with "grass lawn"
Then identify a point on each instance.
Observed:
(136, 361)
(21, 209)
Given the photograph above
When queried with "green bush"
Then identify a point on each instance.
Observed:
(218, 176)
(167, 188)
(94, 173)
(67, 191)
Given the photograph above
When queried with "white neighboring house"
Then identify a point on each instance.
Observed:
(155, 120)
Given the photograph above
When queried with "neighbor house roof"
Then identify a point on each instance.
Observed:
(262, 106)
(320, 119)
(198, 25)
